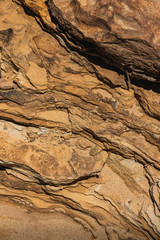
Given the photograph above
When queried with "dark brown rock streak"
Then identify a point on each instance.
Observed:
(123, 34)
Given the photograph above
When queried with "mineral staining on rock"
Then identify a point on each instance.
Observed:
(79, 156)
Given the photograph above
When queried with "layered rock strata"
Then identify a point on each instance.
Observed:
(79, 120)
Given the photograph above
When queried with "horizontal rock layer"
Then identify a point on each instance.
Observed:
(79, 120)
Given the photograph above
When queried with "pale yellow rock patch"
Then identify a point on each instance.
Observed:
(37, 76)
(54, 116)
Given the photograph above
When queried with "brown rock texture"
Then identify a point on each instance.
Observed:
(79, 120)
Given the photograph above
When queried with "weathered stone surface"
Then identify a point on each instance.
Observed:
(124, 34)
(79, 156)
(119, 32)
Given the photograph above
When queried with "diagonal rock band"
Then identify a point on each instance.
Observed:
(106, 38)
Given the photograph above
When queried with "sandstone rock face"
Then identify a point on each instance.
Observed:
(79, 120)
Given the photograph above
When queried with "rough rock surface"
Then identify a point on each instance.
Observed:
(79, 120)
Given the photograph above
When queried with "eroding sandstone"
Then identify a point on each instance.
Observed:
(79, 120)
